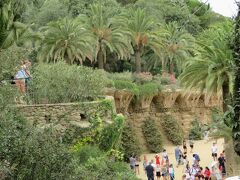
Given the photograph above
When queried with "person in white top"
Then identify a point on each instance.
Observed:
(214, 150)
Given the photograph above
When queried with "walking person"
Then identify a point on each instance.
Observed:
(191, 145)
(150, 171)
(207, 173)
(221, 161)
(214, 151)
(157, 158)
(132, 161)
(184, 146)
(171, 172)
(137, 166)
(145, 163)
(158, 172)
(177, 155)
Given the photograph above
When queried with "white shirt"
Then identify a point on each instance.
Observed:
(214, 149)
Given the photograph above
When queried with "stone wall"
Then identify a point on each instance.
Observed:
(184, 108)
(66, 114)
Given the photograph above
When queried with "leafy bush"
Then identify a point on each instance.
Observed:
(125, 76)
(172, 129)
(196, 131)
(9, 59)
(143, 77)
(88, 152)
(58, 83)
(153, 136)
(129, 142)
(105, 169)
(129, 86)
(110, 135)
(148, 89)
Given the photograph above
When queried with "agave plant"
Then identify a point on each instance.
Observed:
(66, 40)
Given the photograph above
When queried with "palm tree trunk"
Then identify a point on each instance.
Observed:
(236, 55)
(100, 59)
(171, 68)
(138, 61)
(226, 96)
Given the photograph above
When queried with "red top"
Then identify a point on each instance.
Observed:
(207, 173)
(157, 160)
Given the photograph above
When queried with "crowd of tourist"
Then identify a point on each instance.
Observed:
(161, 168)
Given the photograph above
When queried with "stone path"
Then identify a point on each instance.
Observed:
(202, 147)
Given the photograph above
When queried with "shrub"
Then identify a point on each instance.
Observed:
(87, 152)
(103, 168)
(196, 131)
(148, 89)
(125, 76)
(152, 135)
(129, 142)
(111, 134)
(142, 78)
(9, 59)
(172, 129)
(126, 85)
(58, 83)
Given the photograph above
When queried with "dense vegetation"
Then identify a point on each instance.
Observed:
(173, 43)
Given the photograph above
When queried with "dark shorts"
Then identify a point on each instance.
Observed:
(191, 146)
(136, 165)
(132, 167)
(184, 147)
(214, 154)
(158, 174)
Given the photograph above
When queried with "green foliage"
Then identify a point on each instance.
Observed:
(126, 85)
(172, 129)
(196, 131)
(103, 168)
(129, 142)
(87, 152)
(148, 89)
(57, 83)
(153, 136)
(51, 10)
(9, 59)
(66, 40)
(111, 134)
(124, 76)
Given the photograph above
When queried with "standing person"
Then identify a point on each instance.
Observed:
(207, 173)
(26, 68)
(191, 145)
(132, 160)
(184, 146)
(164, 157)
(158, 172)
(137, 166)
(221, 161)
(171, 172)
(164, 172)
(150, 171)
(185, 158)
(214, 150)
(145, 163)
(206, 134)
(177, 155)
(157, 157)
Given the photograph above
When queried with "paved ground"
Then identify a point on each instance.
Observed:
(202, 147)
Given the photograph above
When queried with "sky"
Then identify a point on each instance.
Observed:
(225, 7)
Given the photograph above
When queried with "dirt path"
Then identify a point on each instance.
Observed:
(202, 147)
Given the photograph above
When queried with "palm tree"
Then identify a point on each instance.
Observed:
(10, 30)
(109, 36)
(178, 46)
(67, 40)
(211, 71)
(143, 33)
(236, 54)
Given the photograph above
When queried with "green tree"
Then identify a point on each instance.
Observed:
(236, 54)
(10, 29)
(109, 36)
(211, 71)
(66, 40)
(143, 34)
(178, 46)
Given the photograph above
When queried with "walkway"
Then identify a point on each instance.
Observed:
(200, 147)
